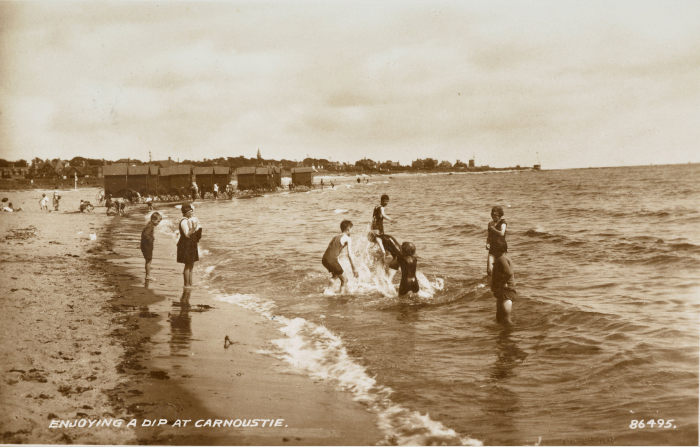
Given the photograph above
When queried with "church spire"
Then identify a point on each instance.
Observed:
(259, 157)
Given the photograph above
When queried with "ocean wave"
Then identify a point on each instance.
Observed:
(318, 352)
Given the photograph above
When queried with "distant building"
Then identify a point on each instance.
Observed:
(471, 163)
(445, 164)
(13, 172)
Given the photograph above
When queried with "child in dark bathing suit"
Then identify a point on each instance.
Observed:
(496, 239)
(407, 262)
(378, 215)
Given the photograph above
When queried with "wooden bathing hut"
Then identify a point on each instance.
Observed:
(203, 176)
(176, 180)
(222, 177)
(303, 177)
(142, 179)
(246, 178)
(264, 179)
(115, 179)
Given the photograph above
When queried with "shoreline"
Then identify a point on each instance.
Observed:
(141, 323)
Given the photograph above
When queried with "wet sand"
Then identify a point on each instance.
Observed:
(85, 337)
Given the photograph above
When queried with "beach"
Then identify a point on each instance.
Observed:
(263, 351)
(80, 329)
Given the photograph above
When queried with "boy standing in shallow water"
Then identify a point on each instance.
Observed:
(503, 287)
(378, 215)
(147, 240)
(330, 257)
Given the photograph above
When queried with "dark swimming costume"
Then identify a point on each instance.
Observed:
(332, 266)
(409, 283)
(378, 220)
(187, 251)
(497, 243)
(505, 295)
(330, 257)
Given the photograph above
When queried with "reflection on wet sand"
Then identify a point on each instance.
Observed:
(180, 326)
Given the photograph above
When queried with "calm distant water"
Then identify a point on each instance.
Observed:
(606, 319)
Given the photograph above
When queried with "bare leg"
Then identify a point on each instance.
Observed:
(503, 309)
(489, 264)
(148, 270)
(343, 284)
(187, 274)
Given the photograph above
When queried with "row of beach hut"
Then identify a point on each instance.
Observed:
(154, 180)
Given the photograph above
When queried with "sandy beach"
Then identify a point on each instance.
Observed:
(83, 338)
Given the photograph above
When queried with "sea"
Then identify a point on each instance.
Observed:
(604, 349)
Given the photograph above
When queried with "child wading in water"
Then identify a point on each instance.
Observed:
(378, 215)
(147, 240)
(408, 264)
(330, 257)
(496, 239)
(187, 250)
(503, 287)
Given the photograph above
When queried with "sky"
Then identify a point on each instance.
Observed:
(568, 84)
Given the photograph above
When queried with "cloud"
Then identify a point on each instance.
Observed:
(576, 82)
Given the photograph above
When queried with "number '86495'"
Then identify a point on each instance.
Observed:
(651, 423)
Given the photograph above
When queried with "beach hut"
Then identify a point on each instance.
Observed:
(222, 176)
(263, 178)
(115, 178)
(143, 179)
(175, 178)
(246, 178)
(203, 176)
(303, 176)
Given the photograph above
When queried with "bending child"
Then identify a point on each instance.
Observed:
(330, 257)
(496, 239)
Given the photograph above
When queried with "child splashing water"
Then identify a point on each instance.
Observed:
(375, 270)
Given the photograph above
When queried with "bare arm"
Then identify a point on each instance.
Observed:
(350, 256)
(384, 215)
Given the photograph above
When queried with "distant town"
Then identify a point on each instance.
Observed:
(81, 167)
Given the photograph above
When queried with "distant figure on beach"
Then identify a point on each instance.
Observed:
(9, 208)
(193, 191)
(148, 238)
(379, 215)
(44, 203)
(321, 183)
(408, 264)
(358, 180)
(187, 250)
(56, 200)
(496, 238)
(85, 206)
(503, 287)
(109, 203)
(216, 191)
(332, 185)
(149, 202)
(330, 257)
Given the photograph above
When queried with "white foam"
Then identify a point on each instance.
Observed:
(340, 211)
(321, 354)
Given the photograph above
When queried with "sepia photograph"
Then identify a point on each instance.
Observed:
(350, 222)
